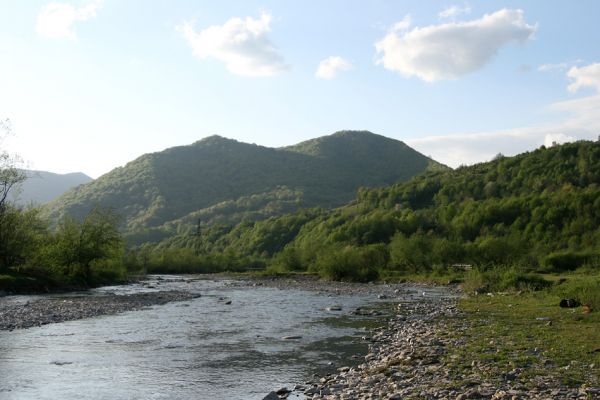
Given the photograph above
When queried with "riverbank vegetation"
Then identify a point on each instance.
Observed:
(75, 254)
(505, 222)
(35, 257)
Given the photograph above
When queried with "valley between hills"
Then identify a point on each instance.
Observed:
(516, 237)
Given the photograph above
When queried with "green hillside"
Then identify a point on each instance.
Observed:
(537, 211)
(222, 180)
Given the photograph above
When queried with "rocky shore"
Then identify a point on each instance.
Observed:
(412, 358)
(47, 310)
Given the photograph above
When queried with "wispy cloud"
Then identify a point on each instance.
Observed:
(581, 122)
(563, 66)
(451, 50)
(57, 20)
(329, 67)
(241, 43)
(454, 11)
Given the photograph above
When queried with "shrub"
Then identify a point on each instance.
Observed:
(502, 279)
(351, 263)
(567, 261)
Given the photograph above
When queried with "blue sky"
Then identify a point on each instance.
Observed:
(90, 85)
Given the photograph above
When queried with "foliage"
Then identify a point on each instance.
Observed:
(85, 251)
(570, 260)
(500, 279)
(351, 264)
(538, 211)
(76, 254)
(222, 181)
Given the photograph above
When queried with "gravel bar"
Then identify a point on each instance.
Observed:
(59, 309)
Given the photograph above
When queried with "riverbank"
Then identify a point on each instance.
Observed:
(440, 348)
(435, 345)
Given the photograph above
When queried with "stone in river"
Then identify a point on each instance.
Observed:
(271, 396)
(282, 391)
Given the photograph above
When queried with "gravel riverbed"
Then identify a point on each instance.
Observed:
(48, 310)
(411, 358)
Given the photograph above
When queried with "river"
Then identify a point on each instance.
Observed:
(203, 348)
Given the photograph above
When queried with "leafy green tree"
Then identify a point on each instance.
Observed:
(78, 247)
(10, 177)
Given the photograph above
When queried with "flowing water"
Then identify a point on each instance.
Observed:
(197, 349)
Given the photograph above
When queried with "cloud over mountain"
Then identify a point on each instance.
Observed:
(242, 44)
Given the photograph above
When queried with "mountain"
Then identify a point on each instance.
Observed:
(224, 175)
(41, 187)
(536, 211)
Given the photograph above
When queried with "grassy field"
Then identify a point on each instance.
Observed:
(526, 336)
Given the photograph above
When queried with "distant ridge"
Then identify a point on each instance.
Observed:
(165, 186)
(41, 187)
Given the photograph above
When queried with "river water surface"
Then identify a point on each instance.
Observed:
(198, 349)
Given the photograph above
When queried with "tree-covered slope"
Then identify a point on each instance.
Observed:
(177, 184)
(538, 210)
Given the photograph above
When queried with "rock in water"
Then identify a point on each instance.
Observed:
(271, 396)
(283, 391)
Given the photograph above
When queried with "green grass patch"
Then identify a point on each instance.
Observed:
(529, 331)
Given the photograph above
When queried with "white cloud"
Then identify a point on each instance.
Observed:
(581, 122)
(454, 11)
(329, 67)
(584, 76)
(56, 20)
(557, 138)
(450, 50)
(242, 44)
(403, 24)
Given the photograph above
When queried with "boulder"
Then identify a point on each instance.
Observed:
(569, 303)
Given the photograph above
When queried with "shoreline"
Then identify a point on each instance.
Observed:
(413, 357)
(49, 310)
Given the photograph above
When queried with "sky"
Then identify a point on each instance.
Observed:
(89, 85)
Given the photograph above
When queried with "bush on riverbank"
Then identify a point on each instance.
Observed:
(187, 261)
(500, 279)
(75, 254)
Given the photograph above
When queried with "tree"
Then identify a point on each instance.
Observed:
(79, 246)
(10, 177)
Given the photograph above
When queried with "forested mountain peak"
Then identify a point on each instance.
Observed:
(344, 141)
(539, 210)
(184, 181)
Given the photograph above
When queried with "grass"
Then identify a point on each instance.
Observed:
(528, 330)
